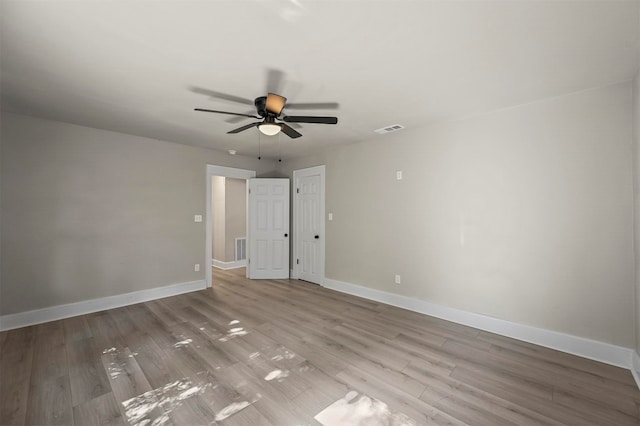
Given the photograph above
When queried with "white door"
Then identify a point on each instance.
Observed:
(309, 224)
(268, 230)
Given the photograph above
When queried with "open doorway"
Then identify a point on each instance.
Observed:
(226, 172)
(229, 222)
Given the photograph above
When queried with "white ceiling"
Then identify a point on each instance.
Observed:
(138, 66)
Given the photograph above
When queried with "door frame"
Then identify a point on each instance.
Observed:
(309, 171)
(214, 170)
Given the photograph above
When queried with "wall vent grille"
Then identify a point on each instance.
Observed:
(389, 129)
(241, 248)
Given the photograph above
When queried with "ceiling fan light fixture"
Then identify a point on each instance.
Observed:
(275, 103)
(269, 129)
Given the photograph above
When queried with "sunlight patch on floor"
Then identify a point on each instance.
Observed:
(184, 342)
(233, 332)
(231, 409)
(139, 409)
(278, 375)
(359, 409)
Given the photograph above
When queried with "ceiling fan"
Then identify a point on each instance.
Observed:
(269, 109)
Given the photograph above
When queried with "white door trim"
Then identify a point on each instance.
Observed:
(310, 171)
(230, 172)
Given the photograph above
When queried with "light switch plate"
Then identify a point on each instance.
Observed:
(197, 218)
(330, 216)
(399, 175)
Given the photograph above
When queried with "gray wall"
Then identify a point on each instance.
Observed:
(523, 214)
(236, 214)
(218, 216)
(90, 213)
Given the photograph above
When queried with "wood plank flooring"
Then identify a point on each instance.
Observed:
(285, 352)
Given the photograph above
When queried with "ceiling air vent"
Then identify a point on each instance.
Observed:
(387, 129)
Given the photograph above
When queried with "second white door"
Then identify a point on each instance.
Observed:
(309, 224)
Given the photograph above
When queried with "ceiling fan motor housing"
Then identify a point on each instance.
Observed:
(261, 106)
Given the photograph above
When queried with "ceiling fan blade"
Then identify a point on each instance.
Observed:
(220, 95)
(308, 119)
(226, 112)
(313, 105)
(289, 131)
(243, 128)
(274, 80)
(275, 103)
(234, 120)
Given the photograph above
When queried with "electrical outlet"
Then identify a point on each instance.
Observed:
(197, 218)
(196, 267)
(398, 279)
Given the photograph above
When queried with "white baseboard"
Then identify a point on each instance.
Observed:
(38, 316)
(635, 367)
(292, 274)
(229, 265)
(586, 348)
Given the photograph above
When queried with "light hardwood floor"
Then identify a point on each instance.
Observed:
(285, 352)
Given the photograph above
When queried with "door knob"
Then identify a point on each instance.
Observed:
(317, 237)
(286, 235)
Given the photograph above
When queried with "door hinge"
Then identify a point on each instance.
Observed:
(297, 261)
(297, 190)
(249, 190)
